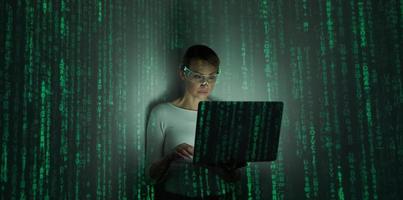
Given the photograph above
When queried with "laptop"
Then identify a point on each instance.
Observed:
(236, 132)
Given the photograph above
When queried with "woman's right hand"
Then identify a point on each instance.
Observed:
(183, 150)
(158, 169)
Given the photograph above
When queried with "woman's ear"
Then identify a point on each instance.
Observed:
(181, 75)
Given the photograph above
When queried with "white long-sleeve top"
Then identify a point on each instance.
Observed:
(169, 126)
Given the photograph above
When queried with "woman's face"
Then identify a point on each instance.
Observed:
(197, 89)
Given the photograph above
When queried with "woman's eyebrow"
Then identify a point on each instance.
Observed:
(205, 74)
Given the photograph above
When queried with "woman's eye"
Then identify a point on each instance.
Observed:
(197, 77)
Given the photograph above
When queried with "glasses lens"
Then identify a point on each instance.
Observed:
(209, 79)
(212, 78)
(198, 77)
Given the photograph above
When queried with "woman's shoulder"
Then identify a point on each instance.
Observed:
(160, 107)
(158, 112)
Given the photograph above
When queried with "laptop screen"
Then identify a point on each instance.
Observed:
(233, 132)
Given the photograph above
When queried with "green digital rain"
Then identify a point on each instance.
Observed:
(78, 80)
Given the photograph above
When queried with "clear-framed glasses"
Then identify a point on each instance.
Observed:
(200, 78)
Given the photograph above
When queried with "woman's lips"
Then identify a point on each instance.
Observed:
(203, 91)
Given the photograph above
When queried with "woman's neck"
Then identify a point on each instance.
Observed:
(188, 102)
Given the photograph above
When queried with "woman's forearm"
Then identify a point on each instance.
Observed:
(158, 168)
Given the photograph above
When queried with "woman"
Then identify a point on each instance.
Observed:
(171, 135)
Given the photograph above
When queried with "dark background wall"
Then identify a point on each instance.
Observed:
(77, 80)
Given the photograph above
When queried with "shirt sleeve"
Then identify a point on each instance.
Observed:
(153, 143)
